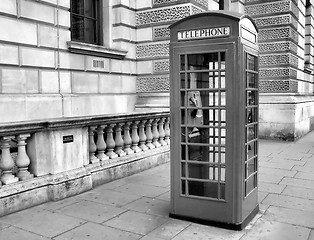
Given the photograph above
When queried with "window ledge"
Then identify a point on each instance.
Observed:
(95, 50)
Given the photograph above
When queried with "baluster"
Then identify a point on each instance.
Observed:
(22, 160)
(101, 144)
(161, 131)
(156, 133)
(167, 130)
(149, 135)
(92, 145)
(127, 139)
(7, 163)
(110, 142)
(119, 140)
(142, 136)
(135, 137)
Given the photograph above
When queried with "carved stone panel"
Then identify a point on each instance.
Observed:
(153, 84)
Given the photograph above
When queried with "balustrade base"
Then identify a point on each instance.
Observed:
(102, 157)
(25, 175)
(136, 149)
(8, 179)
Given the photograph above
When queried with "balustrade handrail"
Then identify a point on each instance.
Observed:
(73, 122)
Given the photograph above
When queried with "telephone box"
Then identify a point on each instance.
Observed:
(214, 119)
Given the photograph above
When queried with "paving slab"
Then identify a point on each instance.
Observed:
(161, 171)
(202, 232)
(303, 169)
(277, 165)
(14, 233)
(311, 237)
(151, 180)
(269, 178)
(170, 229)
(142, 190)
(278, 172)
(304, 175)
(52, 206)
(42, 222)
(291, 216)
(309, 162)
(151, 206)
(270, 230)
(299, 192)
(114, 184)
(3, 225)
(268, 147)
(164, 196)
(298, 182)
(270, 187)
(261, 195)
(135, 222)
(150, 238)
(96, 231)
(109, 197)
(91, 211)
(289, 155)
(289, 202)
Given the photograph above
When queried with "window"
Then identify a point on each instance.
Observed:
(91, 22)
(221, 5)
(85, 21)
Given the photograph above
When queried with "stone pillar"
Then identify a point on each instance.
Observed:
(119, 140)
(22, 160)
(110, 142)
(135, 137)
(101, 144)
(92, 146)
(127, 139)
(6, 162)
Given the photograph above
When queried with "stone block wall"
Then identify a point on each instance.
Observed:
(41, 78)
(286, 77)
(152, 49)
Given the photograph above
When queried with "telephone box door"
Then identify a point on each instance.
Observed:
(202, 84)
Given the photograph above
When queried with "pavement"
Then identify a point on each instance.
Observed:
(137, 207)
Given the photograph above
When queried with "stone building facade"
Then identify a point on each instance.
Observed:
(47, 74)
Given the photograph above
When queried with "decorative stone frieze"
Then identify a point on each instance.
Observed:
(278, 33)
(273, 20)
(162, 15)
(268, 8)
(153, 84)
(278, 86)
(161, 32)
(152, 50)
(277, 72)
(161, 2)
(278, 46)
(278, 59)
(161, 66)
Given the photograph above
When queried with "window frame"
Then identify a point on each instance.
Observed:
(97, 19)
(104, 48)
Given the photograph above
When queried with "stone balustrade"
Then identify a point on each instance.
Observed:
(109, 141)
(53, 159)
(19, 163)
